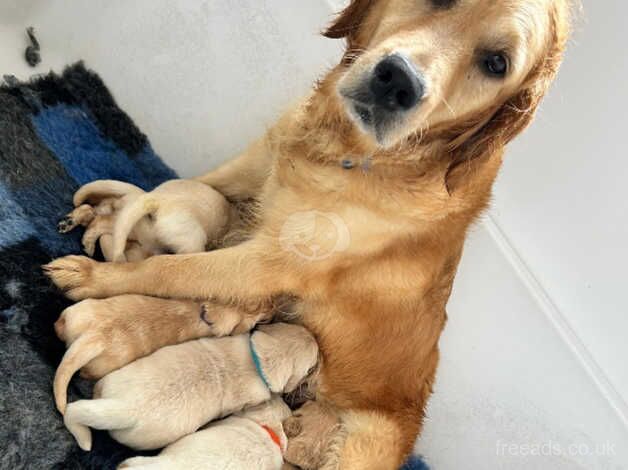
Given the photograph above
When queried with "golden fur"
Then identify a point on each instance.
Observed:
(311, 432)
(376, 299)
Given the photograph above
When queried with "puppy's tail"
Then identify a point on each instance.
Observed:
(78, 355)
(106, 414)
(129, 216)
(101, 189)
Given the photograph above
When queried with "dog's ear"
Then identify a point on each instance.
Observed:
(476, 142)
(276, 366)
(348, 23)
(486, 138)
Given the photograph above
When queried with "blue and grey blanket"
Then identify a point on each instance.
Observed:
(57, 133)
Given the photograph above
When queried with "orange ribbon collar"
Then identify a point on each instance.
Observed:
(273, 436)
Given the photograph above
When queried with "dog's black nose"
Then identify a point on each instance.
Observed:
(396, 85)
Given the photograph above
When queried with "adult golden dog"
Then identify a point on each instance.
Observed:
(365, 194)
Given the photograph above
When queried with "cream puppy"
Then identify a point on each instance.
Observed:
(179, 216)
(160, 398)
(252, 439)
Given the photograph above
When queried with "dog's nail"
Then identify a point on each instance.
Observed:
(204, 316)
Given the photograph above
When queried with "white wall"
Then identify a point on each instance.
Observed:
(561, 198)
(197, 76)
(533, 350)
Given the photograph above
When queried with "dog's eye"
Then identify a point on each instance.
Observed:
(444, 4)
(495, 64)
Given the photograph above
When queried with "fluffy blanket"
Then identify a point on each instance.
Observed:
(56, 134)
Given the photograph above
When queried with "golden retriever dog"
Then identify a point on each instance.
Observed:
(178, 216)
(365, 194)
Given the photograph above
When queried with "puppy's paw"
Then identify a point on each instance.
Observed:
(82, 215)
(73, 275)
(67, 224)
(136, 462)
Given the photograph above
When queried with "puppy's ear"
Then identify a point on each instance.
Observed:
(475, 143)
(348, 23)
(276, 366)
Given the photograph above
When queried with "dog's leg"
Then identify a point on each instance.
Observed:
(243, 177)
(99, 414)
(82, 215)
(241, 272)
(106, 246)
(370, 441)
(100, 226)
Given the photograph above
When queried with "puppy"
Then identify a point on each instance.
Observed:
(104, 335)
(253, 439)
(179, 216)
(160, 398)
(312, 432)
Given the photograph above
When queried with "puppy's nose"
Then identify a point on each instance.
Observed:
(396, 85)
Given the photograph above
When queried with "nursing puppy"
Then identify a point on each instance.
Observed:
(160, 398)
(252, 439)
(104, 335)
(313, 433)
(179, 216)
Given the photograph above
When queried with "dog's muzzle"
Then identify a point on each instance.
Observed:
(384, 95)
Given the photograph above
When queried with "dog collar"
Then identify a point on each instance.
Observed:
(257, 362)
(273, 435)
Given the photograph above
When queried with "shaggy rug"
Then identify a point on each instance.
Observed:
(57, 133)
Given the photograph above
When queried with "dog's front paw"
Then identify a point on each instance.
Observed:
(220, 320)
(73, 275)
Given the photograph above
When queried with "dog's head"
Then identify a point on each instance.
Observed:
(287, 353)
(470, 68)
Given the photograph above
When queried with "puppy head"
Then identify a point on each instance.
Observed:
(413, 66)
(287, 353)
(311, 431)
